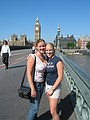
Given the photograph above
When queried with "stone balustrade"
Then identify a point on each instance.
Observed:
(78, 82)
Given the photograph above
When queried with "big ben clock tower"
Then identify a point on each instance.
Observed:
(37, 30)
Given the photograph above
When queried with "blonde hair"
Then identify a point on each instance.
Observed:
(52, 46)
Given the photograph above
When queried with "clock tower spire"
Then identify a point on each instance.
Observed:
(37, 30)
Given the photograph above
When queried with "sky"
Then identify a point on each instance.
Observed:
(19, 17)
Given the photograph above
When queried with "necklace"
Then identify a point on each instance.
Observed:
(41, 57)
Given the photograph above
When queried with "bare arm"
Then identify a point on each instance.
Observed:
(60, 74)
(30, 64)
(59, 78)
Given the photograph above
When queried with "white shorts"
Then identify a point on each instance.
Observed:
(56, 93)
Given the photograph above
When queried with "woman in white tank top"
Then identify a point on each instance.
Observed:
(38, 85)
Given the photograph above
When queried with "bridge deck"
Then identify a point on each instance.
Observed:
(12, 107)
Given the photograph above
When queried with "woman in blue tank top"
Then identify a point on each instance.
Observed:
(53, 77)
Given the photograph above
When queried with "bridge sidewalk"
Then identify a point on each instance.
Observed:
(66, 110)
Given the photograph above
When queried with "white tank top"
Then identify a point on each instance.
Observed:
(39, 69)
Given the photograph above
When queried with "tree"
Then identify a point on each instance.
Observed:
(88, 45)
(70, 45)
(71, 36)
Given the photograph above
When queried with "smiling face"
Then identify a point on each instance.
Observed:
(40, 46)
(50, 50)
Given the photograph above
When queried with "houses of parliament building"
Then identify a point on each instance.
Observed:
(22, 41)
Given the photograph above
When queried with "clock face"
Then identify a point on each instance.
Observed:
(36, 28)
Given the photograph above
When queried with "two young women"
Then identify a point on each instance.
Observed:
(53, 69)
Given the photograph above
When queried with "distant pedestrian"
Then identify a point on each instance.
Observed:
(33, 49)
(5, 53)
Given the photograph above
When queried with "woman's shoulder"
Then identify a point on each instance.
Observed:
(57, 59)
(31, 55)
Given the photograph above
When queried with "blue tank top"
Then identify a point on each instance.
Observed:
(51, 70)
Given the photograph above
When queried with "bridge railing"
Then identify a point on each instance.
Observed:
(78, 83)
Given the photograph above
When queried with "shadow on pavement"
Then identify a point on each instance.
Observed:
(16, 66)
(65, 107)
(45, 116)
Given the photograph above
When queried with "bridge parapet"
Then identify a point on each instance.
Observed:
(78, 82)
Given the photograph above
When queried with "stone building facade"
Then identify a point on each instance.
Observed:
(61, 42)
(15, 41)
(82, 41)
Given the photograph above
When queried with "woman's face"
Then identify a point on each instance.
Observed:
(49, 51)
(4, 42)
(41, 47)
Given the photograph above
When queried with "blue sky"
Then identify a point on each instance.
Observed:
(19, 17)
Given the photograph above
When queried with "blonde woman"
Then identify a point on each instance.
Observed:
(54, 75)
